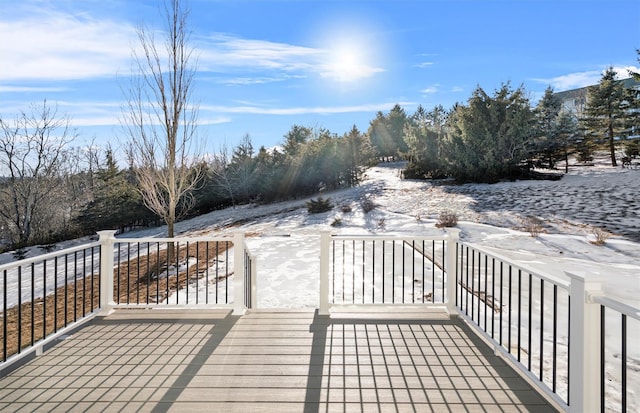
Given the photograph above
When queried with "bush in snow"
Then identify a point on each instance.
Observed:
(447, 219)
(346, 208)
(533, 225)
(367, 205)
(319, 205)
(600, 235)
(337, 222)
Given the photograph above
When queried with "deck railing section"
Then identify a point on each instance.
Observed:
(44, 296)
(619, 354)
(177, 272)
(381, 270)
(525, 314)
(173, 271)
(563, 334)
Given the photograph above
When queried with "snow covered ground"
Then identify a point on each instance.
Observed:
(285, 238)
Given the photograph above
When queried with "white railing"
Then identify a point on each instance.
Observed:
(564, 334)
(44, 297)
(176, 272)
(550, 328)
(374, 270)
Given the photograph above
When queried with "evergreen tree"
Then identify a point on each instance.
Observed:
(242, 170)
(117, 204)
(424, 136)
(387, 133)
(355, 153)
(606, 114)
(545, 142)
(488, 138)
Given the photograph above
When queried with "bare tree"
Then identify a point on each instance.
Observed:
(161, 119)
(33, 156)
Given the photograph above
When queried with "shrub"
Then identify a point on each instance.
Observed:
(447, 219)
(601, 236)
(367, 205)
(319, 205)
(346, 208)
(533, 225)
(337, 222)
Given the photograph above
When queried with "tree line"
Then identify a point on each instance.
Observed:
(502, 136)
(52, 191)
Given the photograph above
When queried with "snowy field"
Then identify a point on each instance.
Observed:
(285, 238)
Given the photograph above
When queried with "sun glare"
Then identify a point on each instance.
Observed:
(349, 54)
(346, 63)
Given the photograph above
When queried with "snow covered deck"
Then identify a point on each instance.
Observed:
(268, 361)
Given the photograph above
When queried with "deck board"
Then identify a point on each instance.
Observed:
(196, 360)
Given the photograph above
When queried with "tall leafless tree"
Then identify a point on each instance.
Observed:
(161, 119)
(33, 157)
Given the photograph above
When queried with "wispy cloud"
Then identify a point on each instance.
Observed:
(430, 90)
(583, 79)
(225, 52)
(31, 89)
(424, 65)
(572, 80)
(50, 45)
(262, 110)
(457, 89)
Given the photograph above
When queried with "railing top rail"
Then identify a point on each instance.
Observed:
(557, 280)
(48, 256)
(620, 307)
(175, 239)
(390, 237)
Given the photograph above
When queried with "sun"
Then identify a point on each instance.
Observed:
(347, 63)
(349, 53)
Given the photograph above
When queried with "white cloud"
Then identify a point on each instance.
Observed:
(260, 110)
(573, 80)
(30, 89)
(424, 65)
(430, 90)
(582, 79)
(346, 71)
(214, 120)
(224, 50)
(51, 45)
(457, 89)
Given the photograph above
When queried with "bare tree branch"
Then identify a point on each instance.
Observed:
(161, 119)
(33, 156)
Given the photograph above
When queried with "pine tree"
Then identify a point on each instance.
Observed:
(606, 113)
(487, 140)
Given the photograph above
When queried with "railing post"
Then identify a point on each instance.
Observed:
(107, 240)
(453, 236)
(325, 246)
(238, 279)
(584, 342)
(254, 283)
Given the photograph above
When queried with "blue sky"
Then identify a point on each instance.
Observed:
(267, 65)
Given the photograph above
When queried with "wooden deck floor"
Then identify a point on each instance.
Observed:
(190, 361)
